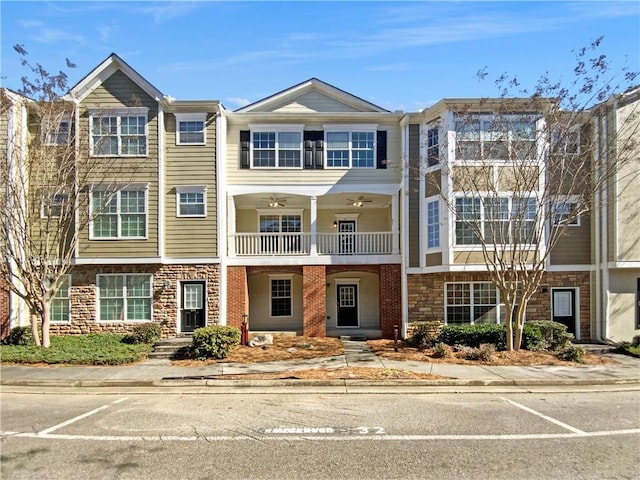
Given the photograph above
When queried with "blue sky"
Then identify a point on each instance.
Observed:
(399, 55)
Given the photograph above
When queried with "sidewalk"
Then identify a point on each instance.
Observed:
(160, 373)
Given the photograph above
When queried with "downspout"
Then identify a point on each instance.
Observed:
(404, 238)
(10, 147)
(597, 232)
(161, 212)
(605, 237)
(76, 153)
(221, 210)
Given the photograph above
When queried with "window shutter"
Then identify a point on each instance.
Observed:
(245, 148)
(381, 149)
(313, 149)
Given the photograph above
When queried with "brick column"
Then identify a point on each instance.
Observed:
(237, 295)
(314, 301)
(390, 299)
(4, 309)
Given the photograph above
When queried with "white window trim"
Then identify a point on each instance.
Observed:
(68, 297)
(46, 130)
(428, 201)
(124, 305)
(569, 200)
(43, 212)
(280, 277)
(277, 128)
(350, 129)
(119, 113)
(191, 117)
(279, 212)
(116, 190)
(191, 189)
(471, 302)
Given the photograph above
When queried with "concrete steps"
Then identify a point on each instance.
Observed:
(167, 347)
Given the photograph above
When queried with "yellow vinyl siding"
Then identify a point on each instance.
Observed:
(312, 102)
(190, 165)
(260, 305)
(296, 176)
(120, 92)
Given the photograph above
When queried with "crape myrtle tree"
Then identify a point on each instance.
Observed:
(523, 169)
(44, 185)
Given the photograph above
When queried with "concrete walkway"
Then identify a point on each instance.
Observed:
(161, 373)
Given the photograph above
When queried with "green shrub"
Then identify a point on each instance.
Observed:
(532, 338)
(442, 350)
(635, 341)
(423, 334)
(554, 334)
(19, 336)
(572, 353)
(215, 341)
(474, 335)
(144, 333)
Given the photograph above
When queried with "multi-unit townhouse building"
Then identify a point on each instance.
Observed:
(316, 212)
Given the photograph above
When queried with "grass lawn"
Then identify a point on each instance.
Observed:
(92, 349)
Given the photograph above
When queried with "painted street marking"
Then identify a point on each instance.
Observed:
(322, 431)
(545, 417)
(334, 438)
(79, 417)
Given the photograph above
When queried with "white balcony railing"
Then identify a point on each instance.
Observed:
(338, 243)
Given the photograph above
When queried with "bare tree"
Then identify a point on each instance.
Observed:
(44, 184)
(523, 170)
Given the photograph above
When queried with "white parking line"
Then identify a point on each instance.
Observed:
(79, 417)
(546, 417)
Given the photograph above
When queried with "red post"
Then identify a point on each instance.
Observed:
(244, 330)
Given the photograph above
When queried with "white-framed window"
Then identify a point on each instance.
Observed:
(497, 220)
(191, 128)
(281, 288)
(475, 302)
(433, 224)
(564, 212)
(124, 297)
(120, 214)
(350, 146)
(280, 232)
(486, 137)
(565, 140)
(55, 131)
(54, 204)
(433, 147)
(119, 133)
(191, 201)
(60, 307)
(276, 146)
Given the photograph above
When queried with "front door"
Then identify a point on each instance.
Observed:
(347, 306)
(563, 305)
(347, 239)
(192, 306)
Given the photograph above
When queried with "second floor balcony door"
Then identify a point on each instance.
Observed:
(347, 230)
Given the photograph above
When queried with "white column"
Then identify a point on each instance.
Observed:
(314, 216)
(395, 226)
(231, 226)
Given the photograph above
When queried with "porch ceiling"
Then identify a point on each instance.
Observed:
(331, 201)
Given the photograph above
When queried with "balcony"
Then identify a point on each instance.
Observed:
(301, 244)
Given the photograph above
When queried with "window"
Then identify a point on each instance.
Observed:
(191, 201)
(472, 303)
(124, 297)
(500, 220)
(494, 138)
(565, 141)
(281, 149)
(286, 227)
(433, 224)
(55, 131)
(351, 149)
(564, 213)
(119, 214)
(61, 304)
(190, 129)
(281, 297)
(433, 149)
(119, 134)
(54, 205)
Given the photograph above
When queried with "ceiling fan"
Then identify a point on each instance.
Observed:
(358, 202)
(275, 202)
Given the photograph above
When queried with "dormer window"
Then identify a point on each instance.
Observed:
(191, 128)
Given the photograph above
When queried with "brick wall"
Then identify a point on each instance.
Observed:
(390, 298)
(314, 301)
(165, 299)
(426, 296)
(237, 295)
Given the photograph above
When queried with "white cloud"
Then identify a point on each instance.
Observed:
(52, 35)
(104, 32)
(30, 23)
(163, 12)
(238, 102)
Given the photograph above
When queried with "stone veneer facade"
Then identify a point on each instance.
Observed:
(4, 309)
(165, 309)
(426, 296)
